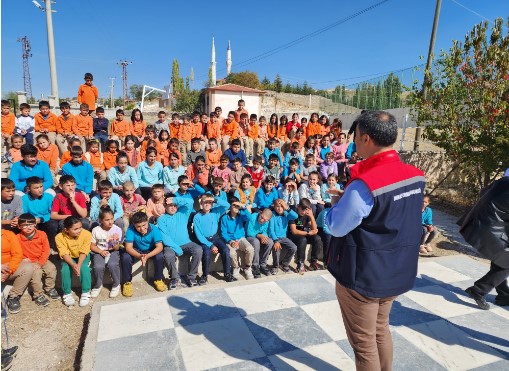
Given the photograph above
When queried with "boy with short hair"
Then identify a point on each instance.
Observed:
(66, 157)
(206, 226)
(288, 192)
(257, 235)
(237, 173)
(81, 171)
(36, 250)
(256, 171)
(293, 152)
(161, 123)
(229, 130)
(119, 127)
(106, 197)
(176, 239)
(223, 172)
(88, 93)
(235, 152)
(46, 122)
(213, 153)
(195, 151)
(100, 126)
(83, 125)
(143, 241)
(267, 193)
(8, 123)
(311, 190)
(303, 230)
(174, 125)
(131, 202)
(47, 152)
(240, 110)
(196, 126)
(217, 189)
(28, 167)
(12, 206)
(64, 126)
(155, 204)
(233, 233)
(188, 189)
(292, 172)
(272, 168)
(272, 149)
(14, 153)
(254, 134)
(278, 226)
(14, 268)
(185, 135)
(25, 123)
(308, 167)
(213, 128)
(246, 140)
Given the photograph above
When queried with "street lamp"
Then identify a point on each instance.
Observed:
(51, 45)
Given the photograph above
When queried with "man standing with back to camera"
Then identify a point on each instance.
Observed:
(378, 224)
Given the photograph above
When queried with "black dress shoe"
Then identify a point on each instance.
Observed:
(479, 299)
(502, 300)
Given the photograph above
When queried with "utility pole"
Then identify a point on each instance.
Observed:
(111, 91)
(51, 45)
(27, 82)
(124, 65)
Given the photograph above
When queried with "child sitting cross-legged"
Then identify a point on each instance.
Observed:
(143, 241)
(73, 246)
(36, 251)
(106, 238)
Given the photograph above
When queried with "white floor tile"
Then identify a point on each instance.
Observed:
(260, 297)
(441, 301)
(437, 272)
(327, 356)
(133, 318)
(330, 278)
(500, 311)
(449, 346)
(328, 316)
(217, 343)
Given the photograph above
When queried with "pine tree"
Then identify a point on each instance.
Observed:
(278, 84)
(177, 83)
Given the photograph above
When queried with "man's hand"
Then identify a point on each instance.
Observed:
(277, 246)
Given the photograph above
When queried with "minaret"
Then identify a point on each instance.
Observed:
(213, 63)
(228, 59)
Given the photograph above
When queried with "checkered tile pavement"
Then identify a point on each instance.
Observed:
(295, 323)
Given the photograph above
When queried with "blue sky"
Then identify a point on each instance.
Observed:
(93, 35)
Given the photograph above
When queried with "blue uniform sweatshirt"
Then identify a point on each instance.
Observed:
(83, 173)
(174, 227)
(21, 172)
(233, 229)
(254, 227)
(191, 193)
(222, 196)
(278, 224)
(207, 225)
(267, 152)
(38, 207)
(148, 176)
(264, 200)
(117, 178)
(240, 154)
(114, 203)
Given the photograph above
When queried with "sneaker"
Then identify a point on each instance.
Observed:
(115, 291)
(203, 281)
(95, 292)
(10, 352)
(160, 286)
(84, 299)
(42, 300)
(285, 268)
(191, 282)
(236, 273)
(502, 300)
(301, 269)
(7, 362)
(249, 273)
(228, 277)
(127, 289)
(265, 271)
(274, 270)
(479, 299)
(256, 272)
(173, 283)
(314, 266)
(53, 294)
(13, 304)
(68, 300)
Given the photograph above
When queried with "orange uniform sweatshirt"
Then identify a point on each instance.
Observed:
(120, 128)
(253, 132)
(8, 122)
(110, 159)
(12, 253)
(95, 159)
(137, 128)
(49, 155)
(65, 124)
(231, 129)
(213, 157)
(213, 130)
(50, 123)
(83, 126)
(88, 94)
(36, 249)
(185, 133)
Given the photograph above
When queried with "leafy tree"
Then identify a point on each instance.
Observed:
(278, 84)
(209, 83)
(119, 102)
(177, 82)
(136, 93)
(188, 101)
(12, 96)
(287, 88)
(466, 108)
(246, 78)
(266, 84)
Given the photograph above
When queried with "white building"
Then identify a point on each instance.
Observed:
(227, 96)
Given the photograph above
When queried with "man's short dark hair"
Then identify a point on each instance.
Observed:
(7, 184)
(236, 142)
(26, 218)
(381, 127)
(33, 180)
(139, 217)
(28, 149)
(43, 103)
(99, 110)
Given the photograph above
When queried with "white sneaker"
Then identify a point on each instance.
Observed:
(249, 273)
(95, 292)
(115, 291)
(236, 273)
(84, 299)
(68, 300)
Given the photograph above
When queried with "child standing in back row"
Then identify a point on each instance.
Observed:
(88, 93)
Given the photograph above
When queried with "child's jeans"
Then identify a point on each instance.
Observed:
(85, 276)
(427, 236)
(29, 138)
(248, 250)
(99, 266)
(223, 250)
(128, 260)
(302, 241)
(50, 271)
(326, 243)
(287, 251)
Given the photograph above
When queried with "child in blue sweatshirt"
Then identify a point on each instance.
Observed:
(234, 234)
(206, 225)
(257, 235)
(176, 239)
(235, 152)
(81, 171)
(28, 167)
(217, 190)
(106, 197)
(267, 193)
(272, 149)
(278, 227)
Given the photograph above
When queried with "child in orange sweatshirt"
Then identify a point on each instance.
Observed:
(110, 156)
(64, 127)
(66, 156)
(8, 123)
(119, 128)
(88, 93)
(83, 125)
(137, 126)
(213, 153)
(96, 159)
(14, 153)
(47, 152)
(46, 122)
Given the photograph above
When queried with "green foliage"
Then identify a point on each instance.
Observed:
(208, 84)
(119, 102)
(177, 82)
(266, 84)
(11, 96)
(466, 108)
(136, 93)
(188, 101)
(278, 84)
(246, 78)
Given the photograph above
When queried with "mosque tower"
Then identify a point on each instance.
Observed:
(228, 59)
(213, 63)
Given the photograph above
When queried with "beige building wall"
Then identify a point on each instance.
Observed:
(227, 100)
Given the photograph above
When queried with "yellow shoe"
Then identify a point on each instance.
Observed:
(160, 286)
(127, 289)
